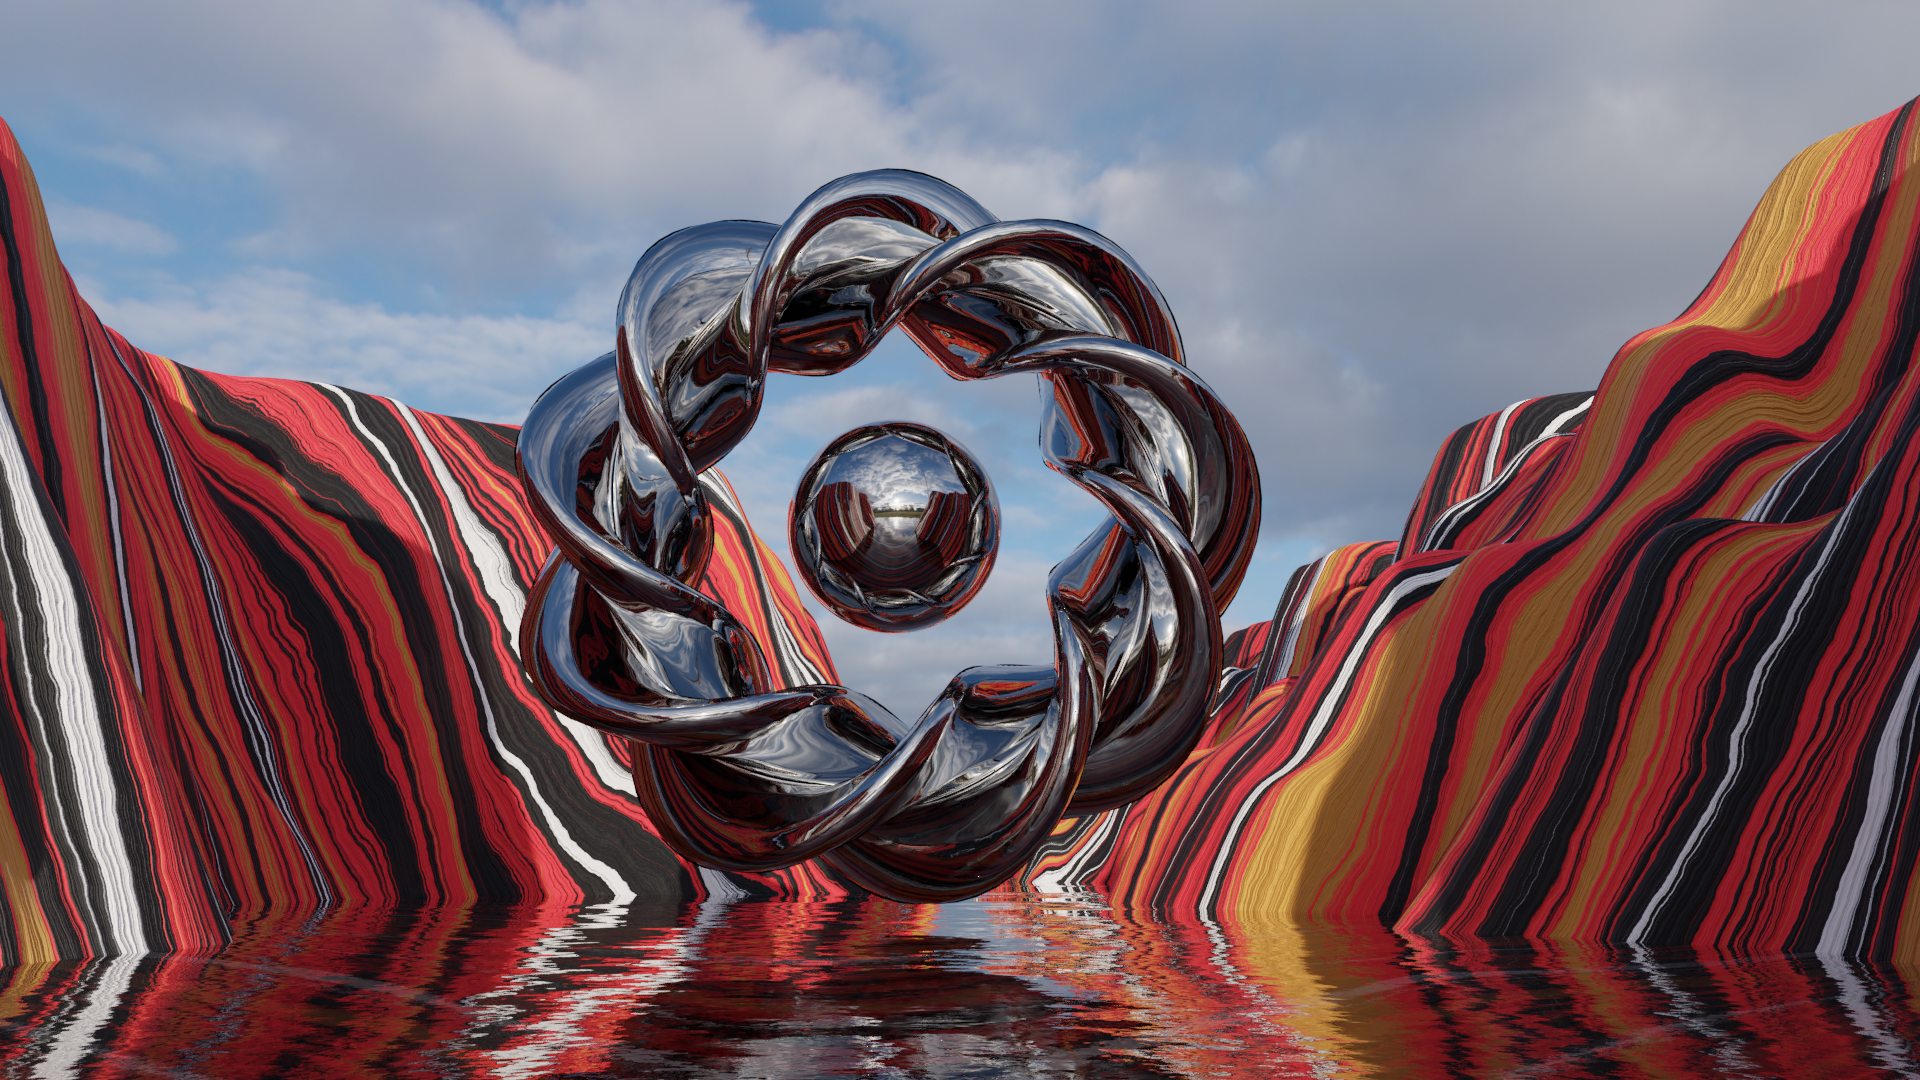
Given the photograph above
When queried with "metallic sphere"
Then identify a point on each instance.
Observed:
(894, 526)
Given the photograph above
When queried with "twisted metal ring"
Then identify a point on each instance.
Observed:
(739, 775)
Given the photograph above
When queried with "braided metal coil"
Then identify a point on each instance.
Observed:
(739, 775)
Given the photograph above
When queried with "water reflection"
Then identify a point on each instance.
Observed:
(1024, 985)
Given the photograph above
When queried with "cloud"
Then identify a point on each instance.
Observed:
(1375, 222)
(826, 412)
(1005, 624)
(279, 323)
(92, 226)
(490, 150)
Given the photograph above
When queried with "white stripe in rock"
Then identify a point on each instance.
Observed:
(490, 559)
(1764, 504)
(1865, 862)
(86, 773)
(1322, 717)
(622, 892)
(1492, 484)
(260, 740)
(1088, 856)
(1284, 661)
(1736, 742)
(119, 540)
(1492, 463)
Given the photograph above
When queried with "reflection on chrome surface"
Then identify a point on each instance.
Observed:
(894, 526)
(1005, 985)
(742, 770)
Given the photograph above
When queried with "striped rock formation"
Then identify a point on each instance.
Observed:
(1642, 667)
(259, 651)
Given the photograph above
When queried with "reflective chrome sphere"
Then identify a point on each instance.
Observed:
(894, 526)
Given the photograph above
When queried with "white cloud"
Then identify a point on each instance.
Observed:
(278, 323)
(1005, 624)
(828, 411)
(143, 163)
(92, 226)
(1375, 222)
(494, 150)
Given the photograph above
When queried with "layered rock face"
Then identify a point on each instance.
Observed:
(1642, 667)
(260, 650)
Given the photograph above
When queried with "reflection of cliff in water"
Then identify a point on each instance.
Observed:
(1011, 985)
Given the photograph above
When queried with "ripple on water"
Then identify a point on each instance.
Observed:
(1051, 985)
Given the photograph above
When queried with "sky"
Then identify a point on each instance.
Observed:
(1375, 222)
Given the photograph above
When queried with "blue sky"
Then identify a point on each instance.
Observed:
(1375, 222)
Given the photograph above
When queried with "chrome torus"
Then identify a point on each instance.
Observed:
(751, 758)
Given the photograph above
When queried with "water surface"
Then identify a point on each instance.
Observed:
(1003, 986)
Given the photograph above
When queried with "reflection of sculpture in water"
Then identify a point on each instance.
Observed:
(894, 527)
(856, 988)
